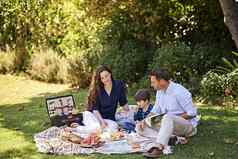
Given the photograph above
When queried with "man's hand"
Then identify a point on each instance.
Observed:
(186, 116)
(151, 114)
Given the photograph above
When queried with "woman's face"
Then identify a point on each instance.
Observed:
(105, 77)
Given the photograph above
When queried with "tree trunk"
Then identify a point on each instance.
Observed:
(21, 51)
(230, 11)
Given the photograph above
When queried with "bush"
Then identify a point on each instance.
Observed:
(174, 57)
(216, 88)
(187, 64)
(213, 86)
(142, 83)
(206, 57)
(230, 63)
(128, 63)
(232, 82)
(79, 72)
(46, 65)
(7, 62)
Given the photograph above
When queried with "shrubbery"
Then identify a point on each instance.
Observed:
(176, 58)
(215, 87)
(47, 65)
(232, 82)
(142, 83)
(128, 63)
(7, 62)
(130, 37)
(187, 64)
(79, 73)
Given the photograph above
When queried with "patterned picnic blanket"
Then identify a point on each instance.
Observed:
(49, 141)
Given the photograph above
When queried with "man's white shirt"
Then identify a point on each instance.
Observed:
(175, 100)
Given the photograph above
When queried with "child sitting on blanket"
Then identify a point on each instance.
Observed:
(142, 98)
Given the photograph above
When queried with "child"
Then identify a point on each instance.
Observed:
(142, 98)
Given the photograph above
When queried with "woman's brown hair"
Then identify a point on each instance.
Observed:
(96, 85)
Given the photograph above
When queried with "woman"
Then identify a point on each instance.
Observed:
(104, 95)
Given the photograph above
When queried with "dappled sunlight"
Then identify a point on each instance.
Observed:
(31, 124)
(23, 113)
(210, 118)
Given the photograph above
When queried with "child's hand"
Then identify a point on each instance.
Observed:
(137, 108)
(141, 125)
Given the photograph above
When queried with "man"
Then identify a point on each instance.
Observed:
(175, 102)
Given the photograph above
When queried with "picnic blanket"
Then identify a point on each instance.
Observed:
(49, 141)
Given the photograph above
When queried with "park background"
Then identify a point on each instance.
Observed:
(52, 47)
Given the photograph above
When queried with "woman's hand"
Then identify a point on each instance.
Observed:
(68, 129)
(104, 124)
(74, 125)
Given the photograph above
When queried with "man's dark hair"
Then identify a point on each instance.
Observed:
(142, 94)
(160, 73)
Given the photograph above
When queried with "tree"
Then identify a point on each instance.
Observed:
(230, 11)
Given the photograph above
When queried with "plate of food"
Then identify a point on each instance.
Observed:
(117, 136)
(68, 136)
(92, 141)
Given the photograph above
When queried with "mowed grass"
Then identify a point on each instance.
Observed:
(23, 113)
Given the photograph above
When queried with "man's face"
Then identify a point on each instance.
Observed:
(158, 84)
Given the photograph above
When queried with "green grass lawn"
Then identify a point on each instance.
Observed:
(23, 113)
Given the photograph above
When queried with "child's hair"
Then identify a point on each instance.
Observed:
(142, 94)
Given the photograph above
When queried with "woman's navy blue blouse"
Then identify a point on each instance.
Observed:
(107, 104)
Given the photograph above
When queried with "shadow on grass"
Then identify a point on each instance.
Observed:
(32, 117)
(217, 126)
